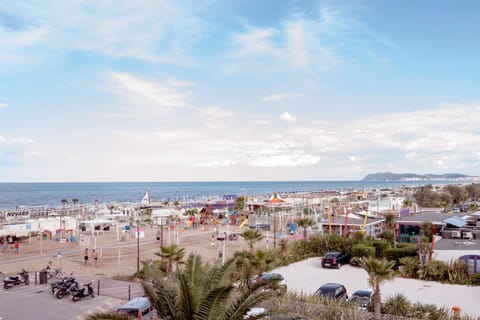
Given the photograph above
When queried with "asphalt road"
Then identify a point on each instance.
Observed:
(37, 302)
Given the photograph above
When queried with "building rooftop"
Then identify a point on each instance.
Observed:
(457, 244)
(433, 217)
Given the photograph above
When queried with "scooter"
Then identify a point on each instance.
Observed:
(23, 277)
(65, 289)
(82, 293)
(65, 281)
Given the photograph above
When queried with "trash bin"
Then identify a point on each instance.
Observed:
(43, 277)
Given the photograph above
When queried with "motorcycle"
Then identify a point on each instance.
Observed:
(65, 281)
(86, 291)
(23, 277)
(65, 289)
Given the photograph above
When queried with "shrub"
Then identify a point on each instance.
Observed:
(363, 250)
(397, 305)
(380, 246)
(475, 279)
(387, 235)
(437, 271)
(409, 267)
(356, 261)
(400, 252)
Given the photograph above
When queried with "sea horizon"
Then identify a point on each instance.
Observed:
(33, 194)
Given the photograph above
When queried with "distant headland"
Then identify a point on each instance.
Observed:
(390, 176)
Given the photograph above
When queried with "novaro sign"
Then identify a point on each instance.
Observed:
(17, 214)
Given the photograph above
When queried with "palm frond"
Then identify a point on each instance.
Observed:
(248, 299)
(187, 301)
(213, 305)
(162, 297)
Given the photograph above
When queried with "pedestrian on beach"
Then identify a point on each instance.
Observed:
(94, 258)
(17, 246)
(85, 256)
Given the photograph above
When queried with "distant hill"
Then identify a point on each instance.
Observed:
(390, 176)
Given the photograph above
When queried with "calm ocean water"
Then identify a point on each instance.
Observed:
(40, 194)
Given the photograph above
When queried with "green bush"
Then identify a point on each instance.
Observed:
(400, 252)
(356, 261)
(437, 271)
(380, 247)
(363, 250)
(475, 279)
(409, 267)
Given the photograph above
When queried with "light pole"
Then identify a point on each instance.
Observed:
(138, 246)
(274, 232)
(161, 232)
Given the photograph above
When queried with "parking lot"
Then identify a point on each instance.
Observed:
(37, 301)
(308, 275)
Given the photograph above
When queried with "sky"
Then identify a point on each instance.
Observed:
(237, 90)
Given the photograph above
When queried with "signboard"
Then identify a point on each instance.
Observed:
(18, 214)
(84, 240)
(139, 233)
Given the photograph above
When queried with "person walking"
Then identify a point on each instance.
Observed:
(17, 246)
(5, 248)
(94, 258)
(85, 256)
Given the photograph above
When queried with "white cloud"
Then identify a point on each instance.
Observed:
(112, 28)
(3, 105)
(257, 41)
(284, 160)
(159, 97)
(215, 111)
(286, 116)
(15, 141)
(217, 163)
(277, 97)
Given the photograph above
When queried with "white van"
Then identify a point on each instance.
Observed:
(138, 308)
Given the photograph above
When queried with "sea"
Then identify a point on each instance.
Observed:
(17, 195)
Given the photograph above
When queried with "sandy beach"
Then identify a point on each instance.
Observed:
(116, 257)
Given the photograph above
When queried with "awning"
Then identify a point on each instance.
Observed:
(455, 221)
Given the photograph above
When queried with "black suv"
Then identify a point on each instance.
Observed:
(334, 259)
(333, 290)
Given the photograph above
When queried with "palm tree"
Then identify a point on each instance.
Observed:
(252, 236)
(199, 291)
(407, 203)
(111, 207)
(173, 254)
(305, 223)
(378, 272)
(262, 260)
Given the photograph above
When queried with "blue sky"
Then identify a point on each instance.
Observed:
(237, 90)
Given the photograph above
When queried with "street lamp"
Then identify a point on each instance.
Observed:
(138, 246)
(223, 241)
(161, 232)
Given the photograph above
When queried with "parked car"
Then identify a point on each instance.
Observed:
(138, 308)
(333, 290)
(362, 298)
(280, 282)
(335, 259)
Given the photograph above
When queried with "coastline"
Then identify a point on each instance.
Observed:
(22, 195)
